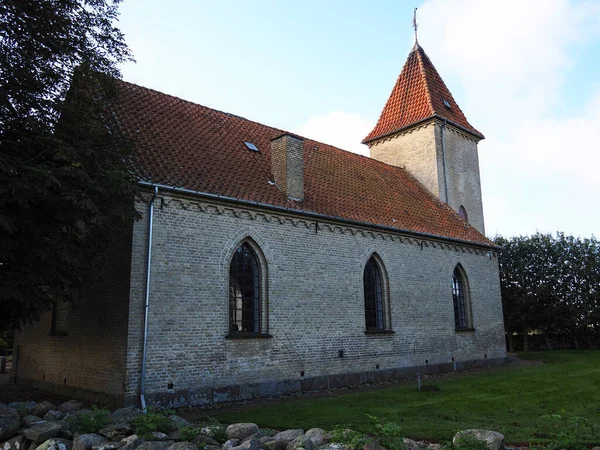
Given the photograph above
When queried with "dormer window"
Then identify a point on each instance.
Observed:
(447, 104)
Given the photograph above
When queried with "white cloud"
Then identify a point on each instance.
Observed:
(341, 129)
(512, 59)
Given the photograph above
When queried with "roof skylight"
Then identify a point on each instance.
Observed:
(447, 104)
(251, 146)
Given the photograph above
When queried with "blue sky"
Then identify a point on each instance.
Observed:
(526, 74)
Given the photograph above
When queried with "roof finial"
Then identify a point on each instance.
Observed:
(415, 26)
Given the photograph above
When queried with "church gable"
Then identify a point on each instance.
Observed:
(182, 144)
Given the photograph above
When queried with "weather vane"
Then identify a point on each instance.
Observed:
(415, 26)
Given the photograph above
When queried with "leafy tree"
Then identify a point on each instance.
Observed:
(550, 284)
(64, 178)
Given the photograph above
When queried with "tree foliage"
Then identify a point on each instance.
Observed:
(551, 285)
(64, 179)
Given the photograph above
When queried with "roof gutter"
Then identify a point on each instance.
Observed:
(314, 215)
(147, 299)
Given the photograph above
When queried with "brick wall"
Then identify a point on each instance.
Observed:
(89, 360)
(315, 302)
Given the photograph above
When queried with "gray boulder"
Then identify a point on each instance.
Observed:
(202, 439)
(266, 439)
(301, 442)
(131, 442)
(87, 441)
(30, 420)
(212, 447)
(54, 414)
(23, 408)
(108, 446)
(275, 445)
(175, 435)
(17, 443)
(155, 445)
(179, 422)
(44, 430)
(126, 415)
(55, 444)
(182, 446)
(10, 422)
(115, 431)
(252, 444)
(318, 436)
(288, 436)
(42, 408)
(241, 430)
(231, 443)
(157, 436)
(493, 439)
(70, 407)
(335, 446)
(409, 444)
(66, 434)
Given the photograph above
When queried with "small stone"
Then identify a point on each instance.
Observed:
(155, 445)
(373, 445)
(201, 439)
(44, 430)
(241, 430)
(301, 442)
(212, 430)
(231, 443)
(318, 436)
(409, 444)
(55, 444)
(23, 408)
(116, 431)
(175, 435)
(183, 446)
(252, 444)
(53, 414)
(436, 446)
(16, 443)
(30, 420)
(335, 446)
(288, 436)
(42, 408)
(10, 422)
(212, 447)
(87, 441)
(266, 439)
(108, 446)
(126, 415)
(493, 439)
(70, 407)
(66, 434)
(131, 442)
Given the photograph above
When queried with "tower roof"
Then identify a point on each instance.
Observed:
(419, 94)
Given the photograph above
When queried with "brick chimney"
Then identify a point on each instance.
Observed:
(287, 165)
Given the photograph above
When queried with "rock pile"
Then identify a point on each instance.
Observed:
(44, 426)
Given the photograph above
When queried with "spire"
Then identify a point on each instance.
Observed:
(419, 94)
(415, 26)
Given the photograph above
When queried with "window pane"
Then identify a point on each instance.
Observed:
(373, 296)
(244, 291)
(458, 296)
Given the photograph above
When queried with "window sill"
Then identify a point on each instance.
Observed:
(460, 330)
(247, 335)
(380, 332)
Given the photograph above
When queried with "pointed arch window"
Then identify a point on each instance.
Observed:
(247, 301)
(462, 301)
(376, 297)
(462, 212)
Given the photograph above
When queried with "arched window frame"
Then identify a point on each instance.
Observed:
(461, 300)
(462, 212)
(383, 322)
(260, 322)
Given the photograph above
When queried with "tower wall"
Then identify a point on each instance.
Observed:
(449, 171)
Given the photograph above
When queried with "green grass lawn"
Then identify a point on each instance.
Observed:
(511, 401)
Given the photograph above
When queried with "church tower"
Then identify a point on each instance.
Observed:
(422, 129)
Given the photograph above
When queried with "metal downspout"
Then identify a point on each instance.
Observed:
(444, 164)
(147, 299)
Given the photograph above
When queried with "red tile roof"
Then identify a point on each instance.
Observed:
(418, 94)
(182, 144)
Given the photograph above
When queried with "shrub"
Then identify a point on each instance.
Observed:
(389, 434)
(352, 438)
(91, 422)
(154, 420)
(565, 432)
